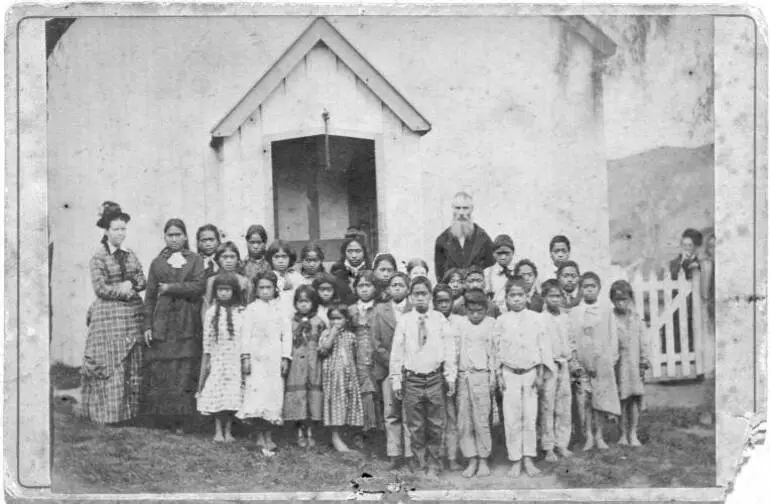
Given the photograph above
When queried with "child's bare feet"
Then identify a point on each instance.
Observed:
(633, 440)
(563, 452)
(261, 440)
(301, 438)
(432, 473)
(310, 441)
(218, 438)
(589, 443)
(358, 441)
(550, 456)
(529, 467)
(515, 470)
(601, 444)
(473, 465)
(229, 437)
(483, 471)
(338, 443)
(453, 465)
(269, 444)
(623, 441)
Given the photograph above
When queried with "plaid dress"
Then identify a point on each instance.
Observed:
(341, 395)
(111, 371)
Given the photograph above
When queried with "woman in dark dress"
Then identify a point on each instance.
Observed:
(175, 287)
(353, 258)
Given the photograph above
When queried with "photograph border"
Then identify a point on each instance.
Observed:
(740, 310)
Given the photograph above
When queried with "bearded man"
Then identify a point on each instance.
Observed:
(464, 243)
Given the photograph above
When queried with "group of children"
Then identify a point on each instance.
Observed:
(371, 347)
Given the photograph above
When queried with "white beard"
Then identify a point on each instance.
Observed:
(462, 230)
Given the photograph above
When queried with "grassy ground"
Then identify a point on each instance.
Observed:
(90, 458)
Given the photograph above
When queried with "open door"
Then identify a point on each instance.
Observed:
(322, 189)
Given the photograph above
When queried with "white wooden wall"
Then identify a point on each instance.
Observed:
(322, 82)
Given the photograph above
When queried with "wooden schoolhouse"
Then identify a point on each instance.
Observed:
(312, 125)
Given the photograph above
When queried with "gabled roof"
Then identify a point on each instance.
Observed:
(592, 34)
(321, 31)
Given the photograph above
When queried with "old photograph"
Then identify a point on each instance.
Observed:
(449, 252)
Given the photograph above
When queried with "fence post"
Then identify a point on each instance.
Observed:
(697, 318)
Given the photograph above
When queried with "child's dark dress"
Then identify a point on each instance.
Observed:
(303, 397)
(362, 323)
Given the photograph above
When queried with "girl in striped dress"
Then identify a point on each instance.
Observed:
(361, 321)
(342, 397)
(219, 389)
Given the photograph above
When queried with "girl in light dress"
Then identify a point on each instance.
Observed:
(342, 397)
(281, 257)
(266, 350)
(303, 400)
(633, 361)
(228, 259)
(219, 389)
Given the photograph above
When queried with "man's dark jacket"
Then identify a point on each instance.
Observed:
(449, 254)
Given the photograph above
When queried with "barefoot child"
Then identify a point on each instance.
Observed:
(361, 322)
(384, 320)
(633, 362)
(555, 401)
(442, 303)
(422, 361)
(267, 345)
(325, 286)
(498, 274)
(219, 389)
(595, 388)
(342, 398)
(228, 258)
(303, 399)
(522, 355)
(312, 257)
(476, 383)
(281, 258)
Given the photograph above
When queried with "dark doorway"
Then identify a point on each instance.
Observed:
(322, 188)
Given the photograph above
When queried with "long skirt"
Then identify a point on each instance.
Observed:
(169, 385)
(114, 398)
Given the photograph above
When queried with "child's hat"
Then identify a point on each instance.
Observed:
(503, 240)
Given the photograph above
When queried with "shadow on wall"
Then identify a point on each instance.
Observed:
(653, 197)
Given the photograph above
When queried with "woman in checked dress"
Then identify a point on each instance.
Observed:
(111, 371)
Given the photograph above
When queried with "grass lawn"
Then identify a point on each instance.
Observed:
(90, 458)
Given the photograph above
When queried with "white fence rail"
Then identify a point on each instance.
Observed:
(672, 312)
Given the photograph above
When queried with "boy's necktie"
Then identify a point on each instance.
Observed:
(422, 331)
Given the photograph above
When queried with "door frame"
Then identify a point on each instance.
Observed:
(379, 165)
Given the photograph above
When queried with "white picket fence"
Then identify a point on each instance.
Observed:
(672, 312)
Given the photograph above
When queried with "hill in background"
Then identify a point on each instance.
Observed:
(653, 197)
